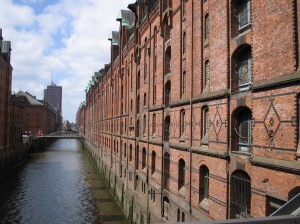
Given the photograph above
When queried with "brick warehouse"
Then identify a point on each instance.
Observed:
(196, 116)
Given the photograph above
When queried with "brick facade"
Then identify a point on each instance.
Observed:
(197, 115)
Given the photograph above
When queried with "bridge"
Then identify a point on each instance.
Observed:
(63, 134)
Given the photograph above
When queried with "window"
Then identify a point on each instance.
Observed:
(183, 8)
(153, 124)
(205, 125)
(207, 73)
(138, 81)
(167, 94)
(153, 158)
(166, 168)
(182, 124)
(181, 174)
(130, 153)
(183, 85)
(131, 71)
(183, 44)
(144, 125)
(167, 129)
(143, 158)
(137, 158)
(138, 105)
(165, 207)
(125, 151)
(168, 60)
(203, 186)
(206, 33)
(154, 89)
(240, 195)
(244, 130)
(145, 59)
(137, 128)
(242, 69)
(243, 13)
(145, 99)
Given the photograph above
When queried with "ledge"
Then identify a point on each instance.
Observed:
(281, 165)
(180, 103)
(210, 152)
(211, 95)
(277, 81)
(155, 142)
(156, 107)
(179, 146)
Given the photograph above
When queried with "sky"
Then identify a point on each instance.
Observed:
(61, 40)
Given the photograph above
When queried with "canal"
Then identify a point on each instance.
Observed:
(58, 185)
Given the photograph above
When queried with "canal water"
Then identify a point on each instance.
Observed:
(59, 185)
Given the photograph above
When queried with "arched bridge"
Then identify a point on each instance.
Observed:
(63, 134)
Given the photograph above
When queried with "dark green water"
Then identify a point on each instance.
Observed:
(59, 185)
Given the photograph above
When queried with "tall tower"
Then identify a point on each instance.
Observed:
(53, 95)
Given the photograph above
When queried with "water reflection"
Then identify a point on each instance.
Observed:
(59, 185)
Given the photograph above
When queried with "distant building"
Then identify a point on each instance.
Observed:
(38, 115)
(53, 95)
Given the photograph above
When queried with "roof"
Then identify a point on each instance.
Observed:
(30, 98)
(126, 17)
(114, 38)
(6, 46)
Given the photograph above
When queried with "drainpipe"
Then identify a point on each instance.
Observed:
(191, 109)
(228, 114)
(148, 105)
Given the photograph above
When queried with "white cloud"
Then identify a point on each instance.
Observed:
(67, 38)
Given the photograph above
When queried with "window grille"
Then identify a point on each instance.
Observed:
(240, 195)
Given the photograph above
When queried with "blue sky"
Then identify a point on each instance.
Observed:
(62, 39)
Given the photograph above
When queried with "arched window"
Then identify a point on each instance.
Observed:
(153, 124)
(181, 174)
(240, 195)
(166, 173)
(137, 134)
(203, 186)
(183, 44)
(167, 94)
(207, 74)
(145, 99)
(206, 32)
(168, 60)
(166, 205)
(143, 158)
(153, 158)
(167, 129)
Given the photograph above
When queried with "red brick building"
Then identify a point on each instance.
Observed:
(37, 115)
(5, 93)
(197, 115)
